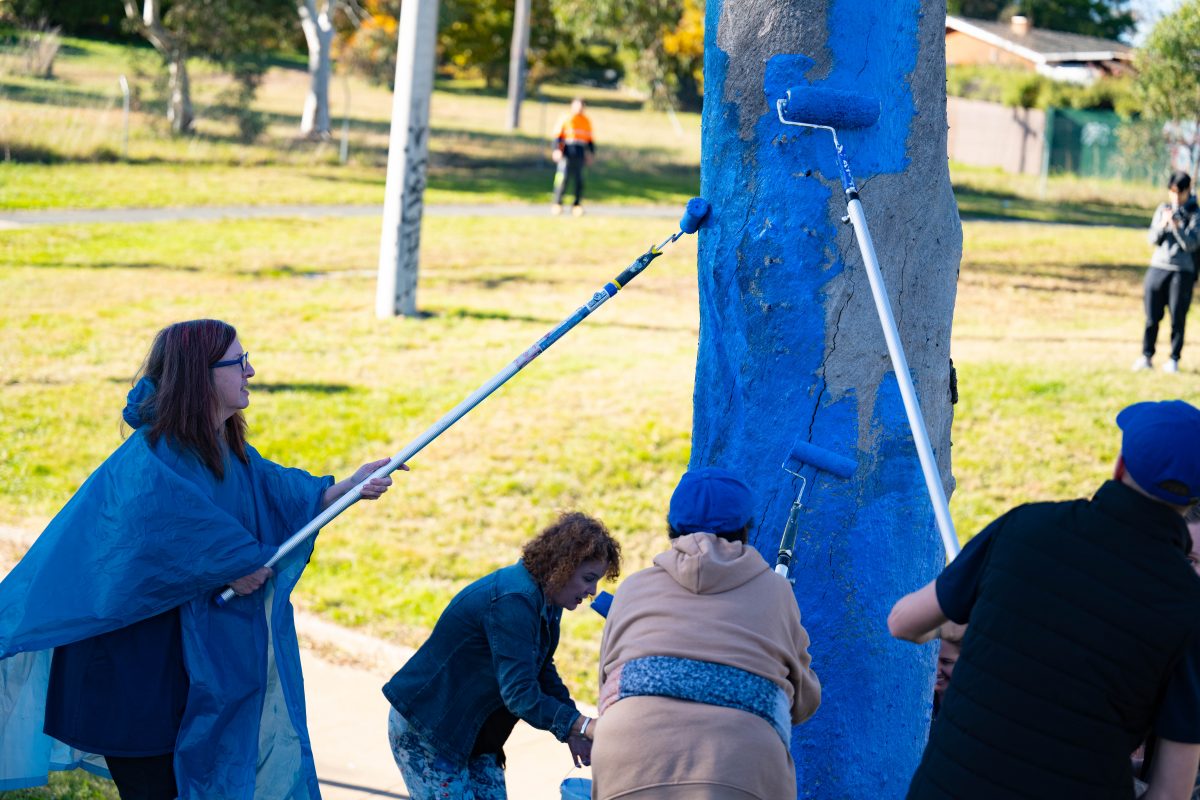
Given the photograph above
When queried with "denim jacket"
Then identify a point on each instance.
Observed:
(493, 646)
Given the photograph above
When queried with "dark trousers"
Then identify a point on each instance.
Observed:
(570, 168)
(144, 778)
(1164, 289)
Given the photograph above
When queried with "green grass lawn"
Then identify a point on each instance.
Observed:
(61, 143)
(1046, 325)
(61, 147)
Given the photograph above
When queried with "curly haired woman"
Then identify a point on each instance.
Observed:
(490, 662)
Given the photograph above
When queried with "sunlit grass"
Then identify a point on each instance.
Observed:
(1046, 325)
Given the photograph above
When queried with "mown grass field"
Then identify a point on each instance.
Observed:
(1046, 325)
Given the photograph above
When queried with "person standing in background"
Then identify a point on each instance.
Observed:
(574, 149)
(1175, 234)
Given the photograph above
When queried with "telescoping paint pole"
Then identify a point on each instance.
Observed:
(697, 209)
(829, 110)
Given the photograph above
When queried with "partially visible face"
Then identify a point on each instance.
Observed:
(1176, 197)
(947, 658)
(577, 107)
(580, 585)
(231, 383)
(1194, 556)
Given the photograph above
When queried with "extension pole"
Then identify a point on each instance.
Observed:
(475, 398)
(916, 420)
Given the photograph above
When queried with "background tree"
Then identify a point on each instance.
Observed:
(232, 33)
(791, 345)
(976, 9)
(1168, 81)
(367, 45)
(75, 17)
(1108, 19)
(316, 20)
(636, 26)
(683, 51)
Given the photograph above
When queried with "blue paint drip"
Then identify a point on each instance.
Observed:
(766, 261)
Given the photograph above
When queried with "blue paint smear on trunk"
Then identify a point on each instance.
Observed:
(767, 259)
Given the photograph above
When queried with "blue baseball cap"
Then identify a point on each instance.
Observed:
(712, 500)
(1160, 444)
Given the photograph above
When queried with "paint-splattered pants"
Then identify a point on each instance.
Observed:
(429, 775)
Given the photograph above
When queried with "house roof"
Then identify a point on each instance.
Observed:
(1039, 45)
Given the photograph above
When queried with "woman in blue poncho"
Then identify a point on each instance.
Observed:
(181, 698)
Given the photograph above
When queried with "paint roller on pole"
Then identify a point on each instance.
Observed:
(831, 110)
(806, 454)
(693, 217)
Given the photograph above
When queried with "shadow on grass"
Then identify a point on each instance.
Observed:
(147, 265)
(1082, 274)
(302, 388)
(50, 93)
(983, 204)
(624, 104)
(505, 316)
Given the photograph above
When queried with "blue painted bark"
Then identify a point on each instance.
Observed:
(791, 345)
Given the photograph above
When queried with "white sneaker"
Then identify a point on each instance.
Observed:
(1171, 366)
(1141, 364)
(556, 209)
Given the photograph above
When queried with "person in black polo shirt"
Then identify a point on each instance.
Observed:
(1084, 634)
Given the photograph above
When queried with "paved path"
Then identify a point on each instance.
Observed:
(347, 719)
(24, 219)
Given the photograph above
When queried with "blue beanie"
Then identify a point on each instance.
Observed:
(1160, 444)
(712, 500)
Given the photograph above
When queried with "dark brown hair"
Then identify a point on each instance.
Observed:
(185, 400)
(559, 550)
(742, 534)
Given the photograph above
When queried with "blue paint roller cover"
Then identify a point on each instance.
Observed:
(602, 603)
(808, 454)
(831, 107)
(693, 216)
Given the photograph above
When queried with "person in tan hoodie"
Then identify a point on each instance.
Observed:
(704, 664)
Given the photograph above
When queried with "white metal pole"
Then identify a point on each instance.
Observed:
(408, 154)
(916, 420)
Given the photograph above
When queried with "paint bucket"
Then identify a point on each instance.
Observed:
(577, 789)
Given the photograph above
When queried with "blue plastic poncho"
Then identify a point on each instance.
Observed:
(144, 535)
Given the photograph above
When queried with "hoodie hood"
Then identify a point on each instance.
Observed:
(705, 564)
(139, 403)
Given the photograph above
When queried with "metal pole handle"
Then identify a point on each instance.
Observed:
(916, 421)
(459, 411)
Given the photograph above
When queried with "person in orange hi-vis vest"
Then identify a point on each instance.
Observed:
(573, 149)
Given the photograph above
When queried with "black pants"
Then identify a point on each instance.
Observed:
(144, 778)
(570, 168)
(1166, 289)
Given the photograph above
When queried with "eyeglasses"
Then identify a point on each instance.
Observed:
(243, 361)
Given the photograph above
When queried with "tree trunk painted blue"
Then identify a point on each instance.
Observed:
(791, 345)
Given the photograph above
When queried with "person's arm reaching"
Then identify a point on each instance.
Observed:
(512, 631)
(1173, 773)
(917, 617)
(371, 491)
